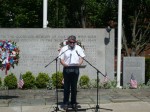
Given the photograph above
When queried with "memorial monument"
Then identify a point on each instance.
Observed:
(133, 66)
(40, 46)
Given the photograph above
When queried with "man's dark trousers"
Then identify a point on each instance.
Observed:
(71, 75)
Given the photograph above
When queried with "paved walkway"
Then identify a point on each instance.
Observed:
(109, 100)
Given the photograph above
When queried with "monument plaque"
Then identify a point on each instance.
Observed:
(40, 46)
(133, 66)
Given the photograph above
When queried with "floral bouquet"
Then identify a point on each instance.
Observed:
(9, 55)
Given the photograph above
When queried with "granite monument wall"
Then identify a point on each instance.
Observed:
(38, 47)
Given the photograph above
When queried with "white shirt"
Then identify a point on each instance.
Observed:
(71, 56)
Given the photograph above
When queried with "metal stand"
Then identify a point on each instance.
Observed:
(97, 104)
(55, 108)
(56, 59)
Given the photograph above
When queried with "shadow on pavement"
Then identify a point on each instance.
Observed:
(8, 97)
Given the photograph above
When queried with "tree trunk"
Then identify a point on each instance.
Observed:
(83, 20)
(125, 42)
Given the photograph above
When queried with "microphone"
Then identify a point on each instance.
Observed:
(77, 53)
(70, 56)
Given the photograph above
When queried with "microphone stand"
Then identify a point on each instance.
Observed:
(56, 59)
(97, 105)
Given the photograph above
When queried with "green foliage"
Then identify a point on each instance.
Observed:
(59, 78)
(10, 81)
(24, 13)
(84, 81)
(58, 12)
(136, 26)
(50, 84)
(104, 85)
(98, 12)
(148, 83)
(93, 83)
(29, 80)
(41, 80)
(109, 84)
(62, 13)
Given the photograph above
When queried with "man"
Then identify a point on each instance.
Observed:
(71, 57)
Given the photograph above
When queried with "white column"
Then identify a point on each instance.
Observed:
(119, 43)
(45, 14)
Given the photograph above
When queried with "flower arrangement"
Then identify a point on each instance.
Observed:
(9, 55)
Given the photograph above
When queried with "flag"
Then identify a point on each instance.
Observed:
(21, 82)
(62, 81)
(133, 82)
(105, 78)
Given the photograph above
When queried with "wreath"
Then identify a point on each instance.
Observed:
(9, 55)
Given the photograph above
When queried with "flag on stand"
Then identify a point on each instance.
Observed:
(133, 82)
(62, 81)
(105, 78)
(21, 82)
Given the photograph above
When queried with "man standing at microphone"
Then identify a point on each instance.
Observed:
(71, 61)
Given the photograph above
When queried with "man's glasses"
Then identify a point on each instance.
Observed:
(72, 42)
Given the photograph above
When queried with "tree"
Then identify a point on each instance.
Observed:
(61, 13)
(136, 26)
(21, 13)
(99, 12)
(81, 13)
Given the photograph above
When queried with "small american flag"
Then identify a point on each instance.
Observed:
(21, 82)
(62, 81)
(133, 82)
(105, 78)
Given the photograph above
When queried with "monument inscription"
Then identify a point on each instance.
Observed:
(38, 47)
(133, 66)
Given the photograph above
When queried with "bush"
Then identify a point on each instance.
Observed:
(58, 81)
(50, 84)
(109, 84)
(42, 80)
(10, 81)
(93, 83)
(29, 80)
(84, 81)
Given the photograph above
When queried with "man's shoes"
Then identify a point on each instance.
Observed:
(74, 106)
(65, 106)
